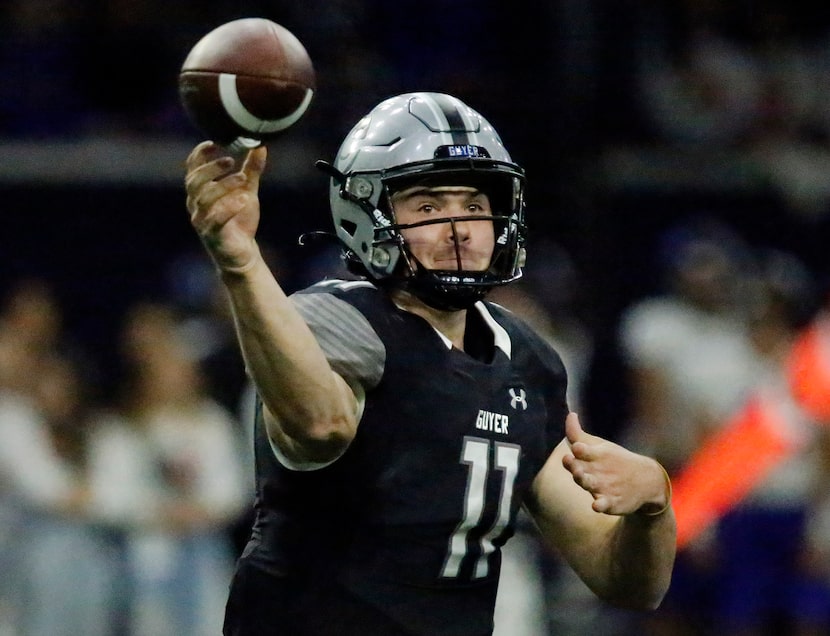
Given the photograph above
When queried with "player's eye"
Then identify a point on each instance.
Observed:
(478, 208)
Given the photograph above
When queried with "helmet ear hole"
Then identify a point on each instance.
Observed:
(350, 227)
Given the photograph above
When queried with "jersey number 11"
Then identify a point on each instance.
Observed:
(476, 455)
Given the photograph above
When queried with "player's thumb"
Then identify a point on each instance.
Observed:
(575, 433)
(573, 429)
(254, 165)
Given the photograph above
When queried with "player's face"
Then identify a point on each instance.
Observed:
(460, 244)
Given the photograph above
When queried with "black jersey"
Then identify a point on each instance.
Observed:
(408, 522)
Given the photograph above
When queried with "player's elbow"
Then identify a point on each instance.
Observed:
(311, 440)
(324, 440)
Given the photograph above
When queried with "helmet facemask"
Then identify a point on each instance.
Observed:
(454, 287)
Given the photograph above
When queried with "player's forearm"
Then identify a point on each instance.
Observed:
(640, 560)
(625, 560)
(626, 556)
(282, 356)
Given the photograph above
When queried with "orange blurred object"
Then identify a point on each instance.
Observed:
(727, 467)
(756, 439)
(808, 371)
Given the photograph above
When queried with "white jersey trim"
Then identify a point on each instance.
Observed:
(500, 336)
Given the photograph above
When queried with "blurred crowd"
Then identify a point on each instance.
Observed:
(720, 336)
(126, 476)
(744, 77)
(117, 513)
(125, 485)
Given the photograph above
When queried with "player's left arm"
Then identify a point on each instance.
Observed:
(608, 511)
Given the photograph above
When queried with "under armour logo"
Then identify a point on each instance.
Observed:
(517, 398)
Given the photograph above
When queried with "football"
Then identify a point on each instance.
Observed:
(246, 82)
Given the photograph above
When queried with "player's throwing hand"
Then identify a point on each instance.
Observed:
(224, 204)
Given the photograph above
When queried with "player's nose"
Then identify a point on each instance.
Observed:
(456, 229)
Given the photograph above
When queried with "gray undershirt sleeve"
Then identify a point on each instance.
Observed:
(349, 342)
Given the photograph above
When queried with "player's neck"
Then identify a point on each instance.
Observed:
(450, 323)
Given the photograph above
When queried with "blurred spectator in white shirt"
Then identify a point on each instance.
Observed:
(166, 467)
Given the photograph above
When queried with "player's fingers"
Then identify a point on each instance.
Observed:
(585, 452)
(218, 215)
(196, 156)
(601, 503)
(590, 483)
(211, 181)
(228, 193)
(578, 472)
(202, 153)
(213, 170)
(208, 182)
(254, 165)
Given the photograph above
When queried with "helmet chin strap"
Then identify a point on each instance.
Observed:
(425, 284)
(444, 297)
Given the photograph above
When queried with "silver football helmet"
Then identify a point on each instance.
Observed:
(424, 138)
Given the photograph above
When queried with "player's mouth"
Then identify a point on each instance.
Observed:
(466, 261)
